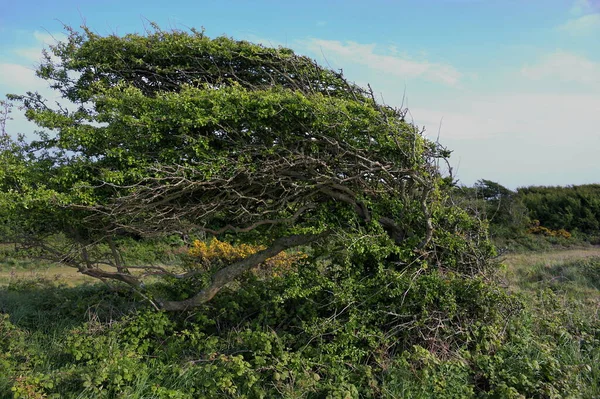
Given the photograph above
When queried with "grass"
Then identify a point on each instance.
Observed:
(60, 274)
(561, 290)
(574, 272)
(14, 268)
(571, 276)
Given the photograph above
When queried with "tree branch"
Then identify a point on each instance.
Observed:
(231, 272)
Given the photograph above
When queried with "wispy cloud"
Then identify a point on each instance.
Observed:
(390, 63)
(581, 7)
(33, 54)
(18, 77)
(48, 38)
(43, 39)
(566, 67)
(583, 25)
(585, 18)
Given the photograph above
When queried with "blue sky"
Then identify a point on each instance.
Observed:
(513, 87)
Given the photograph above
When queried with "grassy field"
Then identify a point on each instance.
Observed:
(58, 273)
(14, 268)
(573, 272)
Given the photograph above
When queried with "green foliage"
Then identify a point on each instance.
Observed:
(177, 134)
(534, 218)
(574, 208)
(320, 332)
(501, 207)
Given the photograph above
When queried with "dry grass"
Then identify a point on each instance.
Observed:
(552, 257)
(59, 273)
(563, 271)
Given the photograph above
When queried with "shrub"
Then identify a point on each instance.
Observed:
(537, 229)
(217, 254)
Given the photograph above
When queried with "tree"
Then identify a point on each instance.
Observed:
(174, 132)
(574, 208)
(505, 210)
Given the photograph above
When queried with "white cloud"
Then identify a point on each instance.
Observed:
(18, 77)
(582, 25)
(365, 54)
(551, 117)
(454, 124)
(580, 7)
(522, 138)
(49, 38)
(565, 67)
(585, 18)
(33, 54)
(43, 39)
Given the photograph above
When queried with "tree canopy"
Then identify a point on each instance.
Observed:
(574, 208)
(177, 133)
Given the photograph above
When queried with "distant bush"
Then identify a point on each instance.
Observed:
(536, 228)
(571, 208)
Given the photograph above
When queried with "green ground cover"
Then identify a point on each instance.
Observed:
(65, 338)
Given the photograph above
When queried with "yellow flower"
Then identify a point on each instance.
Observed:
(219, 253)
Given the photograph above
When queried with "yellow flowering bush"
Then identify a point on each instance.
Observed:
(216, 254)
(537, 229)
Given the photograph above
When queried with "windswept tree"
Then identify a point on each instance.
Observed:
(502, 208)
(177, 133)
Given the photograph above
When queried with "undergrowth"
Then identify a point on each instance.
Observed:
(317, 333)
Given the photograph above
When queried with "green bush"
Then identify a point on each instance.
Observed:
(325, 331)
